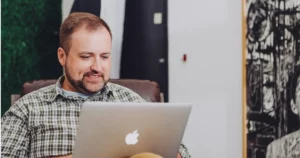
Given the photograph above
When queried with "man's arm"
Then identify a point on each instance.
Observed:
(14, 132)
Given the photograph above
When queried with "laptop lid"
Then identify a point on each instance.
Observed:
(119, 130)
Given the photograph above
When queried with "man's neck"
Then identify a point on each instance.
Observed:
(74, 94)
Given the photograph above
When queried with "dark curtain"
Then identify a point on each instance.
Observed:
(89, 6)
(145, 44)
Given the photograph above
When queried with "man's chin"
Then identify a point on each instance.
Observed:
(93, 88)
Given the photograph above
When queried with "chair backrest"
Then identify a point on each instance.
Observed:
(148, 90)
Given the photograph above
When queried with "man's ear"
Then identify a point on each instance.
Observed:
(294, 107)
(62, 56)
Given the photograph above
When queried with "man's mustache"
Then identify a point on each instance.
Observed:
(93, 73)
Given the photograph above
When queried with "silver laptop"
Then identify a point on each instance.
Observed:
(120, 130)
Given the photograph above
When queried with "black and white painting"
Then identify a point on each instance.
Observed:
(272, 41)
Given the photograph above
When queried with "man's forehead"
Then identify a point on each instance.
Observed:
(85, 31)
(83, 36)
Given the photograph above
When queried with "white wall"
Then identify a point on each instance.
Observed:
(112, 11)
(209, 32)
(66, 8)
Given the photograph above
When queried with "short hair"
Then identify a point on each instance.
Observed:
(76, 21)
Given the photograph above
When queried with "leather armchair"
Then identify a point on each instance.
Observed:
(148, 90)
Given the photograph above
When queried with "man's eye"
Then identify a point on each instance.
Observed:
(85, 57)
(104, 57)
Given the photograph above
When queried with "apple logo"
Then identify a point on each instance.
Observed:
(131, 138)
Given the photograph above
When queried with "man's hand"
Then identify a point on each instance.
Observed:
(178, 156)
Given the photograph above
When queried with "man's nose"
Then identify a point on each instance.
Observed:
(96, 66)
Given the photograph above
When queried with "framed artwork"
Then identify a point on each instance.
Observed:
(271, 82)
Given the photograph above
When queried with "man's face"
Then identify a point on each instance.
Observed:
(87, 65)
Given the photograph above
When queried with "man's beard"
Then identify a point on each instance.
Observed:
(79, 85)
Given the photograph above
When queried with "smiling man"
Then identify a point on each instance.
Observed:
(43, 123)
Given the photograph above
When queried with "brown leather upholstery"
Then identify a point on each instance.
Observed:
(148, 90)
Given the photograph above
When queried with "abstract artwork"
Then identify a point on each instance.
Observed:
(271, 41)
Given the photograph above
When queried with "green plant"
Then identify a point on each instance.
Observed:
(29, 34)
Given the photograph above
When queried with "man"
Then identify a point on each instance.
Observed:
(289, 145)
(43, 123)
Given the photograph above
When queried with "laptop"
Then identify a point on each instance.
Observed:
(121, 130)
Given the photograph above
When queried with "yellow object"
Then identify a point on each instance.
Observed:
(146, 155)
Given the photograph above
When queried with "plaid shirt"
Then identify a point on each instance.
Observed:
(44, 122)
